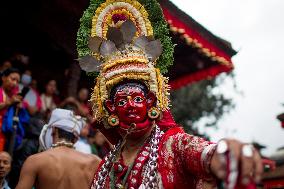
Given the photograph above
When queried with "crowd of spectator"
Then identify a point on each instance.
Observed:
(23, 112)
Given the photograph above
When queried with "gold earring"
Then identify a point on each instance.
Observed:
(153, 113)
(113, 120)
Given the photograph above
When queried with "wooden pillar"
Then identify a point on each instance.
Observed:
(74, 73)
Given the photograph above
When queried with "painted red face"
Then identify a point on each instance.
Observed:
(130, 105)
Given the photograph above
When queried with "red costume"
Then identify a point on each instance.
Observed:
(183, 162)
(129, 95)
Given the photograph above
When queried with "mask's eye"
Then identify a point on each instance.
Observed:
(121, 102)
(138, 99)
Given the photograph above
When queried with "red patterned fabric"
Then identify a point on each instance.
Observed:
(271, 184)
(182, 162)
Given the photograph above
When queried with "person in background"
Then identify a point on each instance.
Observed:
(99, 144)
(32, 101)
(60, 166)
(48, 98)
(102, 143)
(34, 84)
(5, 167)
(8, 96)
(83, 97)
(91, 141)
(82, 144)
(83, 107)
(29, 144)
(28, 147)
(84, 104)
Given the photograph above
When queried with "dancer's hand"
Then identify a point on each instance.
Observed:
(236, 163)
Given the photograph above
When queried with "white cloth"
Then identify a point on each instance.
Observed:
(63, 119)
(83, 146)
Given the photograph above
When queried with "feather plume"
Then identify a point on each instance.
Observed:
(141, 42)
(115, 35)
(89, 64)
(95, 43)
(107, 48)
(128, 30)
(154, 49)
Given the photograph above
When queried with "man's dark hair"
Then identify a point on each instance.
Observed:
(70, 106)
(70, 137)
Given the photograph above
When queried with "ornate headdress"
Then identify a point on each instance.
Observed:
(116, 42)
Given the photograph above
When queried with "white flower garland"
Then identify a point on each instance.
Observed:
(126, 70)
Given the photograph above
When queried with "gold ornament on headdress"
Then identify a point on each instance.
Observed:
(123, 48)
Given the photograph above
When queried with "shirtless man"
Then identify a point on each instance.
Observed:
(59, 167)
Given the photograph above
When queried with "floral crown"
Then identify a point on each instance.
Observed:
(116, 43)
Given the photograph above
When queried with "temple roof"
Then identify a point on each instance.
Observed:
(46, 30)
(199, 54)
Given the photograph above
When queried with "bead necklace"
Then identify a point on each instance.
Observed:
(131, 177)
(113, 178)
(150, 176)
(63, 143)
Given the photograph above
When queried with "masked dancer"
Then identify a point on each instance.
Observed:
(125, 43)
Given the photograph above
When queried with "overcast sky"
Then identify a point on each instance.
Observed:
(255, 28)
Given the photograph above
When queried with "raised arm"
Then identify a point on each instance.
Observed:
(28, 174)
(194, 152)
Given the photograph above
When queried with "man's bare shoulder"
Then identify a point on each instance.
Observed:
(41, 156)
(36, 156)
(67, 153)
(89, 159)
(53, 156)
(95, 159)
(33, 162)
